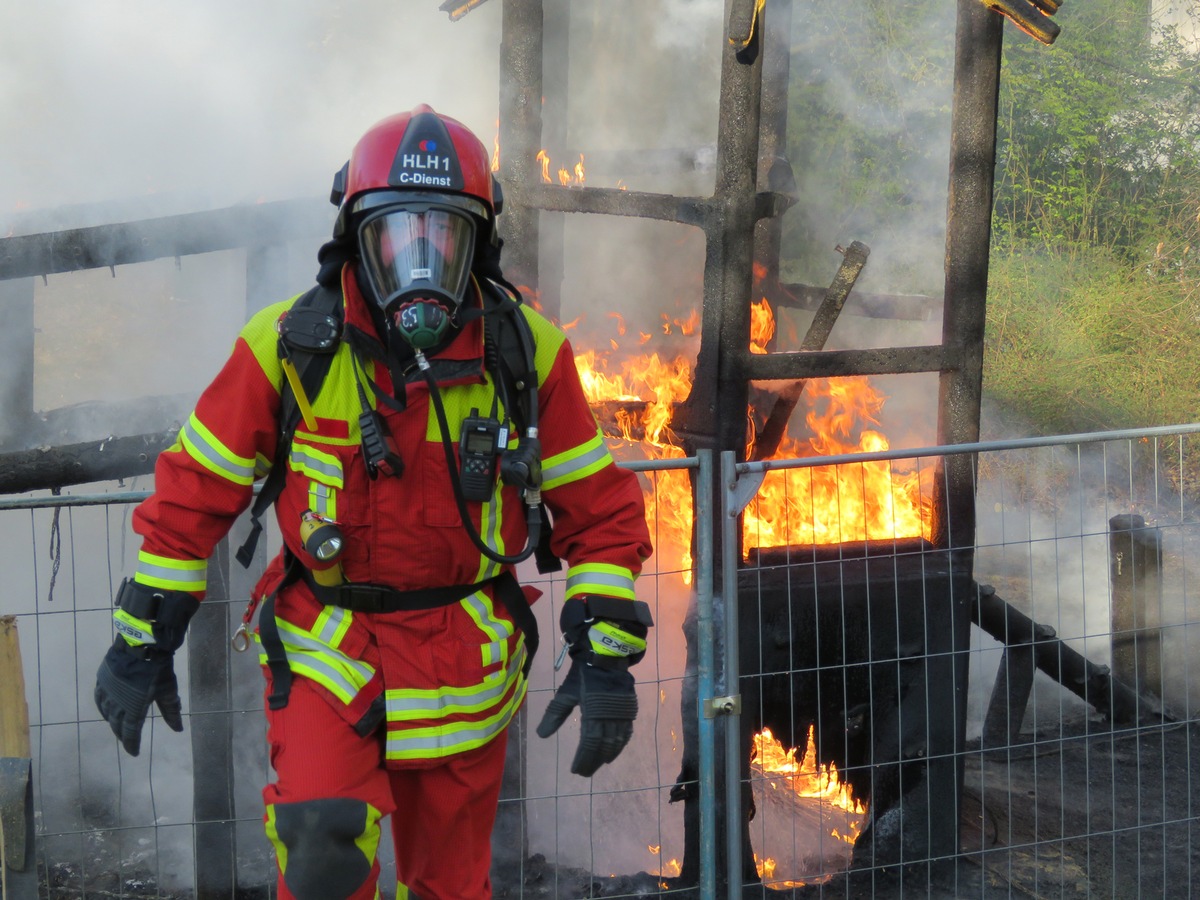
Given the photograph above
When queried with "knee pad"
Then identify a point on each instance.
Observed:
(325, 848)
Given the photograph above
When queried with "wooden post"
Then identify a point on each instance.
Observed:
(14, 713)
(18, 875)
(1135, 565)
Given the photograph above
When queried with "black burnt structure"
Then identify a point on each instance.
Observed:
(878, 634)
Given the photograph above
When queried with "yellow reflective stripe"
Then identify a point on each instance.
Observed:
(576, 463)
(407, 704)
(600, 578)
(262, 466)
(367, 840)
(135, 631)
(446, 740)
(281, 852)
(315, 464)
(202, 446)
(306, 655)
(481, 609)
(608, 639)
(490, 516)
(171, 574)
(332, 624)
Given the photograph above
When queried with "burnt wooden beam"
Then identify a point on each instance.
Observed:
(109, 459)
(839, 363)
(907, 307)
(853, 259)
(1094, 684)
(977, 45)
(104, 246)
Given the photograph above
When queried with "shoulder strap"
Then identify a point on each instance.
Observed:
(517, 362)
(518, 368)
(309, 334)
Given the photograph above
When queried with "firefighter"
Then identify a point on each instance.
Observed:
(394, 638)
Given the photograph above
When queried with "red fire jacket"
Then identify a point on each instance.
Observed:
(450, 677)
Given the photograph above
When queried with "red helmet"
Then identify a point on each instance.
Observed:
(416, 194)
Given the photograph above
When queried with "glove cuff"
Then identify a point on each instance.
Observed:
(606, 632)
(153, 619)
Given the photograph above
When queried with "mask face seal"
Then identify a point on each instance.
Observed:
(417, 260)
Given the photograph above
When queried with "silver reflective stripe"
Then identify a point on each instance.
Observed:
(403, 706)
(444, 740)
(491, 524)
(481, 612)
(560, 471)
(190, 579)
(320, 670)
(620, 584)
(308, 462)
(205, 451)
(319, 496)
(334, 622)
(339, 667)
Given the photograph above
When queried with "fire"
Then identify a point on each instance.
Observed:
(870, 501)
(669, 869)
(807, 781)
(762, 326)
(566, 177)
(806, 777)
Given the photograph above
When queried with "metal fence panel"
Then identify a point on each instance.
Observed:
(1051, 739)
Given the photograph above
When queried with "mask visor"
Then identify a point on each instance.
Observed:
(411, 253)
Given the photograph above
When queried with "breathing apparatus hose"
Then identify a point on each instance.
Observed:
(533, 520)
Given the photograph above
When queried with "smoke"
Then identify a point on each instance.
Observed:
(220, 102)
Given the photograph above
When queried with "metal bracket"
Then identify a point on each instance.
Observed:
(723, 706)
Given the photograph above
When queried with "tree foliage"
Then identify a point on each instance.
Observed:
(1099, 136)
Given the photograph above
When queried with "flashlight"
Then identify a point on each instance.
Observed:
(322, 540)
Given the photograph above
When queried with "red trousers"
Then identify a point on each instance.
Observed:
(445, 808)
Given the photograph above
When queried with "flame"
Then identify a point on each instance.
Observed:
(869, 501)
(496, 149)
(762, 326)
(566, 177)
(806, 777)
(671, 868)
(808, 780)
(820, 505)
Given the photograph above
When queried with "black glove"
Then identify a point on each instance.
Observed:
(608, 706)
(127, 685)
(605, 637)
(138, 669)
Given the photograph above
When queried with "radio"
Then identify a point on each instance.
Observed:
(479, 451)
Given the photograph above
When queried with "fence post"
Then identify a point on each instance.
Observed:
(210, 700)
(1135, 566)
(18, 873)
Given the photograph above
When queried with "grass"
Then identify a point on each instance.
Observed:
(1086, 341)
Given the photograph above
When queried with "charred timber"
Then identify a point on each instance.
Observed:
(109, 459)
(1119, 703)
(100, 421)
(839, 363)
(104, 246)
(698, 211)
(773, 431)
(906, 307)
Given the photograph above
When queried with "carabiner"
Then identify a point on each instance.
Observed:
(241, 639)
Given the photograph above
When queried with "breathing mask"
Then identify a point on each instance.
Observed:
(417, 260)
